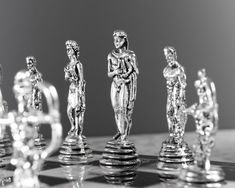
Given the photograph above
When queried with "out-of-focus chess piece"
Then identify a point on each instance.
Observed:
(27, 159)
(5, 141)
(36, 98)
(76, 174)
(174, 152)
(205, 113)
(122, 67)
(75, 148)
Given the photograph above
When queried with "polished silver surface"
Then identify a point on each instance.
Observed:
(5, 141)
(123, 68)
(205, 113)
(75, 148)
(36, 98)
(175, 152)
(26, 158)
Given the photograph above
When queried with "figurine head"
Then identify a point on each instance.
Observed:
(22, 86)
(72, 49)
(201, 84)
(31, 62)
(170, 53)
(120, 39)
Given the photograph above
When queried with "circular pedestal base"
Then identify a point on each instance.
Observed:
(5, 150)
(172, 157)
(194, 174)
(75, 151)
(125, 178)
(40, 142)
(120, 155)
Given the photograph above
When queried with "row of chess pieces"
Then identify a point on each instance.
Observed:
(176, 159)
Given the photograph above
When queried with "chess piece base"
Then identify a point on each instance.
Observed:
(120, 155)
(194, 174)
(40, 143)
(75, 150)
(5, 150)
(172, 157)
(125, 178)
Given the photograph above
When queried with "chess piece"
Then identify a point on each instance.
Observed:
(26, 157)
(5, 141)
(205, 113)
(174, 152)
(75, 148)
(122, 67)
(36, 100)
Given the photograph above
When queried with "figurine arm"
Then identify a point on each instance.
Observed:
(191, 110)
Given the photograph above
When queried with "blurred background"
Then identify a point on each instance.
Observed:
(203, 33)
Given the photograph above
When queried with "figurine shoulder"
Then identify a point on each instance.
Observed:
(110, 56)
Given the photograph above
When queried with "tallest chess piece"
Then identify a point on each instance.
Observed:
(75, 148)
(122, 67)
(36, 98)
(175, 152)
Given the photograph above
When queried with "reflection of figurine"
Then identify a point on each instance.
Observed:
(36, 100)
(26, 157)
(75, 148)
(122, 67)
(174, 152)
(205, 114)
(5, 142)
(76, 174)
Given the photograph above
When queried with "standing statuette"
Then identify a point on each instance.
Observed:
(123, 69)
(75, 148)
(36, 98)
(174, 152)
(205, 114)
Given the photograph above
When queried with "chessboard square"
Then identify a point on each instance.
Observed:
(52, 181)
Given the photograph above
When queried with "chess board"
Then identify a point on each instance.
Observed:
(53, 174)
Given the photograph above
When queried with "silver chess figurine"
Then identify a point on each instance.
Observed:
(36, 99)
(27, 159)
(122, 67)
(174, 152)
(205, 113)
(75, 148)
(5, 141)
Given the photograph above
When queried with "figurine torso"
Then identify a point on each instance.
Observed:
(76, 88)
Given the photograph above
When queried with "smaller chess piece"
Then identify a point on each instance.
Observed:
(36, 99)
(75, 149)
(26, 158)
(122, 68)
(205, 113)
(174, 152)
(5, 141)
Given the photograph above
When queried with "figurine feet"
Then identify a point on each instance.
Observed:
(172, 157)
(75, 150)
(118, 154)
(194, 174)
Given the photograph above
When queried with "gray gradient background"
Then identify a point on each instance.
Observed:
(203, 32)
